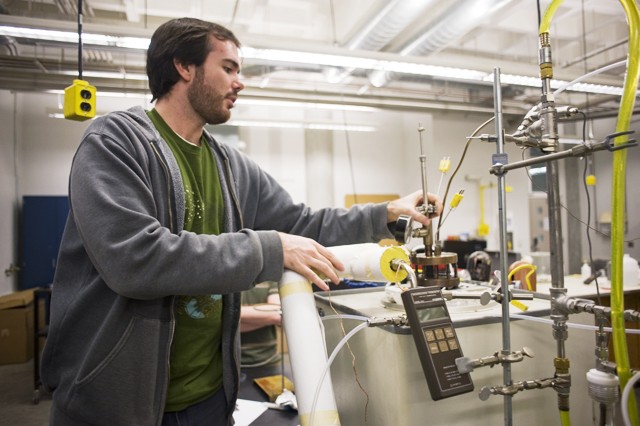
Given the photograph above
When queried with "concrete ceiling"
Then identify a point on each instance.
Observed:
(472, 34)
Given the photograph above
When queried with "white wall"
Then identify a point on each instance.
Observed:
(601, 202)
(385, 161)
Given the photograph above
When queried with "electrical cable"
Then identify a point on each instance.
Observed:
(339, 346)
(235, 11)
(353, 366)
(588, 198)
(464, 153)
(333, 23)
(348, 140)
(457, 198)
(79, 39)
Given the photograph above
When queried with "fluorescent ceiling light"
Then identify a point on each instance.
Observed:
(300, 125)
(70, 37)
(313, 105)
(101, 94)
(293, 57)
(108, 74)
(276, 124)
(578, 87)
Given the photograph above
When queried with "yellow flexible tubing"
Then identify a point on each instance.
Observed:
(529, 266)
(548, 15)
(617, 204)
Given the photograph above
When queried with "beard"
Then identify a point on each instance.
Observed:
(206, 102)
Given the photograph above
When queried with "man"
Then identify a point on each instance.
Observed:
(259, 316)
(166, 228)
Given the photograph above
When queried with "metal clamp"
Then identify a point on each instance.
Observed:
(608, 141)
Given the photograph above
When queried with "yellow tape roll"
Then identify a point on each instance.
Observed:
(388, 256)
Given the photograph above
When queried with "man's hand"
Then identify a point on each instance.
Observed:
(407, 206)
(309, 259)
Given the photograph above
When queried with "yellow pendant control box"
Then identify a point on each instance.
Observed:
(79, 101)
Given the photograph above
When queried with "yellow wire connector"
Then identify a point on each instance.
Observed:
(457, 198)
(519, 305)
(454, 203)
(445, 164)
(79, 101)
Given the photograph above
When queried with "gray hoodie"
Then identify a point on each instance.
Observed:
(124, 255)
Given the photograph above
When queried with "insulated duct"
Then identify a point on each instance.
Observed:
(384, 27)
(455, 22)
(387, 24)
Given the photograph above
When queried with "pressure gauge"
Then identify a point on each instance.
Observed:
(403, 228)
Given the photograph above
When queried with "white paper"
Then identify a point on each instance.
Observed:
(247, 411)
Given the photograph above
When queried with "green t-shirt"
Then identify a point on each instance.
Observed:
(259, 347)
(196, 357)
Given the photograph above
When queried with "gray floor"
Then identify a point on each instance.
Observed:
(17, 395)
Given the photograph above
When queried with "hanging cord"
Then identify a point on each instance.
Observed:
(344, 114)
(333, 23)
(588, 198)
(235, 11)
(79, 39)
(464, 152)
(348, 140)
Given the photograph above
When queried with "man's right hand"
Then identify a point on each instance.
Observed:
(309, 258)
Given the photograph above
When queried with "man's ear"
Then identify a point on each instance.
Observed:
(187, 72)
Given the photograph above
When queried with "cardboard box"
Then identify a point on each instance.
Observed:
(16, 327)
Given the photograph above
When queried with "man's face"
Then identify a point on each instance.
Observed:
(216, 84)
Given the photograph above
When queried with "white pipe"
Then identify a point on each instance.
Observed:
(592, 73)
(307, 349)
(571, 324)
(303, 327)
(345, 316)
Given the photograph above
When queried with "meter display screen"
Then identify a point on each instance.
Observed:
(434, 312)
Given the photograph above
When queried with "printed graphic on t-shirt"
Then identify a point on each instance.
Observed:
(199, 307)
(194, 207)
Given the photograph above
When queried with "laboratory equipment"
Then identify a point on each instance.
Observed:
(436, 341)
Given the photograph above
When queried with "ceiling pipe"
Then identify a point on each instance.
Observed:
(381, 29)
(454, 23)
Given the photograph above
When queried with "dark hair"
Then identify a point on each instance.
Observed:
(183, 39)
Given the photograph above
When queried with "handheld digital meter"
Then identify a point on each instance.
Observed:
(436, 341)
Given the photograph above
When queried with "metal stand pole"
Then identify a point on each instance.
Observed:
(501, 157)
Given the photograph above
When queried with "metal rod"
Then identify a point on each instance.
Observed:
(502, 201)
(577, 151)
(428, 237)
(555, 241)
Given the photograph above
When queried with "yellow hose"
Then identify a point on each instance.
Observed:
(548, 15)
(565, 420)
(532, 270)
(618, 205)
